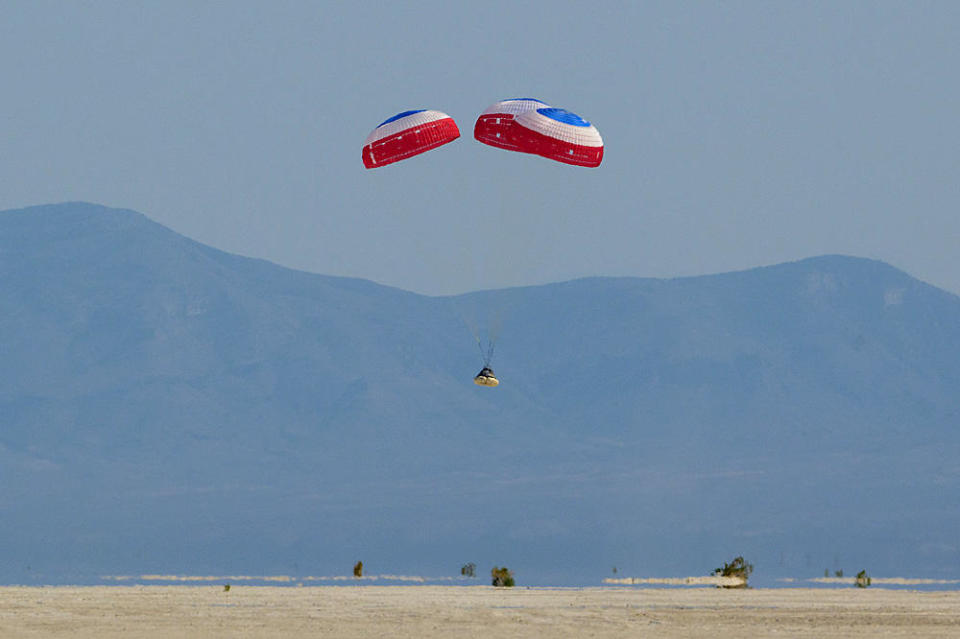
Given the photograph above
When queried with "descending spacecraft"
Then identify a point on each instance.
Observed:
(523, 125)
(486, 377)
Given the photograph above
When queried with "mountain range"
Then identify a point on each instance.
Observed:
(166, 407)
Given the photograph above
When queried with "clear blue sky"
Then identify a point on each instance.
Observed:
(737, 133)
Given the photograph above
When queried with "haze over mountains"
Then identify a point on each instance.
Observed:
(167, 407)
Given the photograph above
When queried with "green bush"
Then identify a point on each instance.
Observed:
(739, 567)
(863, 580)
(469, 570)
(358, 569)
(502, 577)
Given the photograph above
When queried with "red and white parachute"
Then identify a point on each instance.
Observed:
(495, 125)
(531, 126)
(407, 134)
(524, 125)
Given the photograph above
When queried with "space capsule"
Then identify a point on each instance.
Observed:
(486, 378)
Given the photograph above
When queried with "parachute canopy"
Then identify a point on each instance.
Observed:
(560, 135)
(486, 378)
(495, 125)
(407, 134)
(531, 126)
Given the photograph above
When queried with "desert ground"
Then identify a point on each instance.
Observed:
(472, 611)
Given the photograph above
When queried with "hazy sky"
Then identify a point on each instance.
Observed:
(737, 134)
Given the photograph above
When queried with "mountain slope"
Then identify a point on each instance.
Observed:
(169, 407)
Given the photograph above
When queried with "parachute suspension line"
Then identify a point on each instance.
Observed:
(486, 353)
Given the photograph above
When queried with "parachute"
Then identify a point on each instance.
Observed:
(531, 126)
(524, 125)
(495, 125)
(559, 135)
(407, 134)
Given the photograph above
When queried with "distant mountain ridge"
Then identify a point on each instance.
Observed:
(165, 406)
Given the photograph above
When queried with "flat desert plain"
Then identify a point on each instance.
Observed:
(472, 611)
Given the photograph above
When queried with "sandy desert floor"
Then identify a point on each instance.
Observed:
(472, 611)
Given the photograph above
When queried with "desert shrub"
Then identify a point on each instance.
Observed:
(863, 580)
(226, 587)
(838, 573)
(739, 567)
(358, 569)
(469, 570)
(502, 577)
